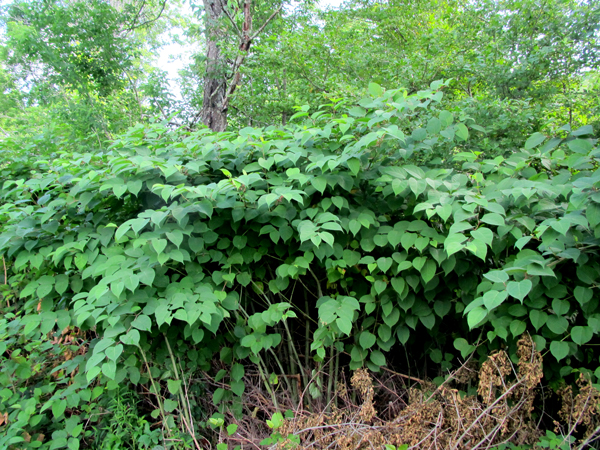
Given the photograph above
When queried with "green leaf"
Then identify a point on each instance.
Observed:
(483, 234)
(444, 211)
(384, 264)
(534, 140)
(380, 286)
(377, 358)
(142, 322)
(114, 352)
(582, 146)
(478, 248)
(398, 284)
(582, 335)
(159, 245)
(176, 237)
(497, 276)
(109, 369)
(517, 327)
(463, 347)
(493, 219)
(170, 405)
(61, 283)
(428, 271)
(174, 386)
(240, 242)
(557, 324)
(367, 339)
(131, 338)
(408, 240)
(58, 408)
(354, 165)
(319, 183)
(559, 349)
(493, 299)
(462, 131)
(476, 316)
(582, 294)
(376, 91)
(237, 372)
(454, 243)
(538, 318)
(519, 289)
(560, 307)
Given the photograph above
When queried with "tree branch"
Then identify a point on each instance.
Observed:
(266, 23)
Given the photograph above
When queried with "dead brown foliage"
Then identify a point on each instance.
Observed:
(371, 413)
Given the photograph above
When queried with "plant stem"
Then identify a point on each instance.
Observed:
(184, 405)
(158, 399)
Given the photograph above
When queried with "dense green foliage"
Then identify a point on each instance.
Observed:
(356, 212)
(191, 247)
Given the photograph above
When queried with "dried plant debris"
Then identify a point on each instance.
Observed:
(429, 416)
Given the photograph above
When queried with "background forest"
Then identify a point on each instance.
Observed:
(374, 225)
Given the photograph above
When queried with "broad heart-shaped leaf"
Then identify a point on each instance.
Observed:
(476, 316)
(109, 369)
(538, 318)
(463, 347)
(113, 353)
(428, 271)
(444, 211)
(398, 284)
(493, 219)
(560, 307)
(61, 283)
(462, 131)
(454, 243)
(559, 349)
(517, 327)
(497, 276)
(176, 237)
(580, 145)
(408, 240)
(493, 299)
(58, 408)
(582, 294)
(131, 338)
(557, 324)
(483, 234)
(377, 358)
(519, 289)
(478, 248)
(174, 386)
(582, 335)
(142, 322)
(384, 264)
(354, 165)
(534, 140)
(367, 339)
(319, 183)
(593, 214)
(159, 245)
(394, 238)
(419, 262)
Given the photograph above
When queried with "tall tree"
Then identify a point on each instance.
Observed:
(224, 21)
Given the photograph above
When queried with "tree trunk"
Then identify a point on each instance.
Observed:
(214, 111)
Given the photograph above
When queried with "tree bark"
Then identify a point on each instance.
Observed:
(218, 88)
(214, 111)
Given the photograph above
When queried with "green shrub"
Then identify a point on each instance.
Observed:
(171, 251)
